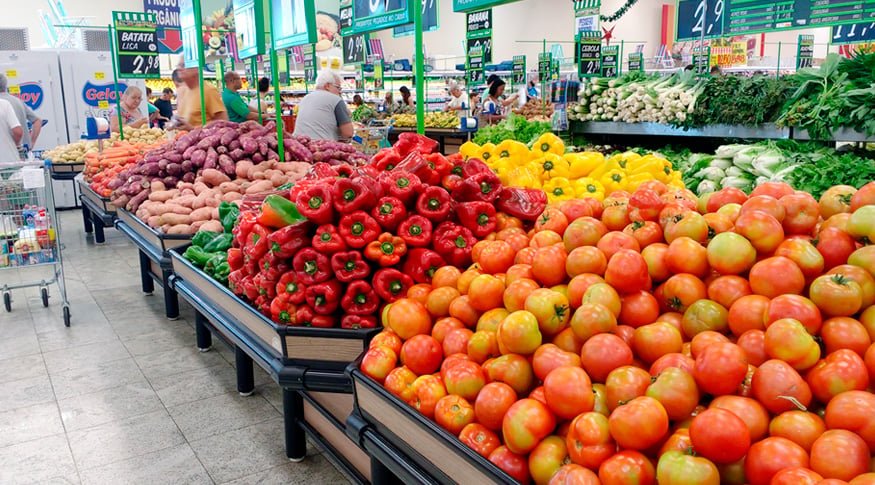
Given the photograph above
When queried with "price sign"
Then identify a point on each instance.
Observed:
(309, 54)
(586, 15)
(14, 90)
(11, 73)
(699, 18)
(371, 15)
(636, 62)
(354, 48)
(430, 20)
(545, 65)
(589, 55)
(485, 43)
(103, 104)
(610, 61)
(469, 5)
(249, 28)
(854, 33)
(377, 62)
(519, 70)
(345, 20)
(804, 51)
(702, 59)
(478, 24)
(99, 76)
(475, 65)
(189, 28)
(136, 45)
(293, 23)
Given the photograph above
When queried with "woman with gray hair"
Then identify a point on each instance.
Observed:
(130, 108)
(323, 114)
(458, 99)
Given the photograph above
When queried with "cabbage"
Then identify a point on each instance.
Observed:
(744, 158)
(768, 163)
(737, 172)
(729, 151)
(706, 186)
(710, 173)
(723, 163)
(737, 182)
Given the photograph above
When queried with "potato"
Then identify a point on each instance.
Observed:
(212, 225)
(176, 209)
(199, 187)
(242, 168)
(184, 200)
(157, 186)
(226, 187)
(174, 219)
(214, 201)
(213, 177)
(278, 178)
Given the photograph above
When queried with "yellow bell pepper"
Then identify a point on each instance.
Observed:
(502, 168)
(469, 149)
(548, 143)
(625, 159)
(613, 181)
(589, 187)
(607, 166)
(635, 180)
(582, 164)
(559, 189)
(647, 163)
(485, 153)
(676, 180)
(550, 166)
(523, 177)
(665, 171)
(515, 152)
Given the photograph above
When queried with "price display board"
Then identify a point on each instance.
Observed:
(610, 61)
(699, 18)
(485, 43)
(289, 23)
(249, 28)
(474, 66)
(354, 48)
(190, 34)
(345, 17)
(586, 15)
(853, 33)
(136, 45)
(589, 54)
(469, 5)
(519, 70)
(702, 60)
(371, 15)
(804, 51)
(309, 54)
(545, 65)
(430, 20)
(377, 62)
(478, 24)
(636, 62)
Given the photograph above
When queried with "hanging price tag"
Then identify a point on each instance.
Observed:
(103, 104)
(99, 75)
(10, 73)
(16, 90)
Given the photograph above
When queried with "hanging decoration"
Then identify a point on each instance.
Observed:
(619, 13)
(608, 35)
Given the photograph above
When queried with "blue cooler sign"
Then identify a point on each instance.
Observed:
(31, 94)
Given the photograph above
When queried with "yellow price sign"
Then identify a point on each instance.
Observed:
(11, 73)
(16, 90)
(103, 104)
(99, 75)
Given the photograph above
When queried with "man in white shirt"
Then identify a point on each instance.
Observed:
(458, 99)
(24, 114)
(10, 133)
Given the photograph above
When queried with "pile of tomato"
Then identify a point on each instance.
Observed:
(654, 337)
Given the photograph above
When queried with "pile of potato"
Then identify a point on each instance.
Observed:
(76, 152)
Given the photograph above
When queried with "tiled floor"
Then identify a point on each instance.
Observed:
(123, 396)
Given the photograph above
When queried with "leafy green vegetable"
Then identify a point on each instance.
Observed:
(513, 128)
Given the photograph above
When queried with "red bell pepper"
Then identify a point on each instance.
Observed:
(416, 231)
(358, 229)
(235, 258)
(360, 299)
(349, 266)
(439, 163)
(408, 142)
(234, 281)
(327, 240)
(262, 304)
(451, 182)
(454, 243)
(344, 171)
(387, 250)
(315, 203)
(484, 186)
(257, 244)
(282, 310)
(306, 317)
(355, 322)
(389, 212)
(250, 291)
(289, 285)
(265, 285)
(350, 195)
(525, 204)
(245, 222)
(400, 184)
(391, 284)
(311, 266)
(434, 204)
(386, 159)
(474, 166)
(421, 264)
(322, 170)
(478, 216)
(278, 212)
(324, 298)
(285, 242)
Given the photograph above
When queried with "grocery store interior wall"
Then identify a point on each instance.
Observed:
(25, 13)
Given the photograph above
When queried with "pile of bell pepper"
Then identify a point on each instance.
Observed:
(346, 240)
(563, 176)
(209, 250)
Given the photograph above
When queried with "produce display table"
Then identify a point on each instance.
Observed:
(307, 363)
(843, 134)
(449, 139)
(766, 131)
(97, 212)
(155, 263)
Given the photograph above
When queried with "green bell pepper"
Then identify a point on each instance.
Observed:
(228, 214)
(222, 242)
(202, 238)
(197, 256)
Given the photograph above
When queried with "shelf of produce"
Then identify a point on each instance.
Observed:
(155, 263)
(842, 134)
(324, 420)
(762, 132)
(97, 212)
(432, 450)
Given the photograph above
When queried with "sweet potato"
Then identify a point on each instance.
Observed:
(157, 186)
(196, 225)
(179, 229)
(198, 157)
(185, 185)
(213, 177)
(184, 200)
(200, 187)
(242, 168)
(154, 221)
(213, 201)
(226, 187)
(232, 196)
(226, 165)
(212, 158)
(260, 186)
(277, 178)
(174, 219)
(163, 195)
(202, 214)
(212, 225)
(198, 202)
(177, 209)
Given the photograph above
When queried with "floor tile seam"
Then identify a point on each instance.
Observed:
(112, 462)
(227, 430)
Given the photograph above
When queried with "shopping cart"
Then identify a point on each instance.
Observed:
(29, 230)
(370, 138)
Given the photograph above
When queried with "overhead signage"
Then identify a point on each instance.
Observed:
(166, 14)
(309, 55)
(853, 33)
(519, 70)
(249, 28)
(469, 5)
(475, 66)
(430, 20)
(804, 51)
(586, 15)
(345, 16)
(610, 61)
(136, 45)
(190, 33)
(485, 43)
(354, 48)
(636, 62)
(589, 55)
(372, 15)
(377, 62)
(289, 21)
(478, 24)
(699, 19)
(702, 59)
(545, 65)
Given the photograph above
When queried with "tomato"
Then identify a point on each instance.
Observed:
(492, 403)
(464, 379)
(496, 257)
(836, 295)
(456, 341)
(550, 309)
(453, 413)
(578, 286)
(776, 276)
(704, 315)
(589, 440)
(443, 326)
(571, 474)
(652, 341)
(547, 458)
(646, 232)
(603, 353)
(568, 341)
(568, 391)
(747, 314)
(422, 354)
(378, 362)
(861, 225)
(427, 391)
(446, 276)
(461, 309)
(515, 465)
(480, 439)
(774, 382)
(667, 361)
(482, 345)
(862, 277)
(639, 308)
(725, 290)
(796, 476)
(616, 217)
(864, 479)
(676, 390)
(720, 435)
(592, 318)
(518, 333)
(726, 195)
(678, 468)
(751, 412)
(795, 307)
(678, 441)
(552, 219)
(485, 292)
(835, 245)
(802, 213)
(585, 259)
(774, 189)
(387, 338)
(585, 231)
(804, 254)
(720, 368)
(800, 427)
(603, 294)
(627, 272)
(842, 370)
(516, 293)
(654, 255)
(869, 359)
(764, 203)
(836, 200)
(685, 255)
(626, 333)
(763, 231)
(680, 291)
(400, 383)
(519, 271)
(704, 339)
(853, 411)
(624, 384)
(731, 211)
(548, 265)
(545, 239)
(753, 342)
(788, 340)
(691, 224)
(549, 357)
(491, 319)
(639, 424)
(840, 454)
(513, 370)
(574, 209)
(718, 223)
(407, 318)
(526, 423)
(771, 455)
(627, 467)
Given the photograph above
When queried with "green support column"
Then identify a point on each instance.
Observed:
(198, 27)
(118, 97)
(277, 105)
(254, 60)
(420, 69)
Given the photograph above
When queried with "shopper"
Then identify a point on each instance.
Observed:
(190, 106)
(24, 114)
(151, 108)
(176, 76)
(165, 107)
(323, 114)
(238, 110)
(388, 105)
(493, 107)
(357, 100)
(458, 99)
(131, 116)
(532, 91)
(505, 101)
(263, 90)
(406, 98)
(10, 133)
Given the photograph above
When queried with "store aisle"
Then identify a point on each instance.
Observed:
(123, 396)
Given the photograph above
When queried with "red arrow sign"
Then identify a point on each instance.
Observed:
(171, 39)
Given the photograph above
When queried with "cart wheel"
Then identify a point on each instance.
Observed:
(7, 301)
(66, 316)
(44, 293)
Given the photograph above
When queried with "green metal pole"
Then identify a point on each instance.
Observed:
(198, 27)
(118, 97)
(543, 81)
(420, 69)
(778, 66)
(255, 86)
(220, 75)
(620, 60)
(277, 105)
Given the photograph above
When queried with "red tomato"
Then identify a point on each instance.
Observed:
(853, 411)
(518, 333)
(516, 293)
(616, 217)
(603, 353)
(645, 232)
(486, 292)
(526, 423)
(776, 276)
(578, 286)
(676, 390)
(614, 241)
(726, 290)
(585, 231)
(795, 307)
(567, 341)
(378, 362)
(786, 339)
(550, 308)
(407, 317)
(667, 361)
(639, 424)
(720, 369)
(568, 391)
(552, 219)
(519, 271)
(513, 370)
(427, 391)
(464, 379)
(796, 476)
(603, 294)
(400, 383)
(654, 255)
(687, 256)
(774, 382)
(422, 354)
(836, 295)
(547, 458)
(869, 358)
(456, 341)
(548, 265)
(442, 327)
(676, 467)
(572, 474)
(690, 224)
(773, 189)
(764, 203)
(453, 413)
(680, 291)
(719, 435)
(589, 440)
(842, 370)
(771, 455)
(804, 254)
(704, 315)
(763, 231)
(840, 454)
(496, 257)
(517, 466)
(482, 345)
(800, 427)
(835, 245)
(862, 277)
(624, 384)
(753, 342)
(802, 213)
(575, 209)
(648, 204)
(586, 259)
(751, 412)
(747, 314)
(653, 341)
(726, 195)
(480, 439)
(387, 338)
(638, 308)
(492, 403)
(627, 272)
(703, 339)
(549, 357)
(627, 467)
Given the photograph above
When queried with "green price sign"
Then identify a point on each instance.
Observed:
(589, 54)
(610, 61)
(636, 62)
(309, 54)
(804, 51)
(519, 70)
(292, 23)
(136, 45)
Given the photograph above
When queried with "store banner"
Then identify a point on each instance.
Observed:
(519, 70)
(136, 45)
(430, 20)
(289, 23)
(586, 15)
(610, 61)
(309, 55)
(854, 33)
(475, 65)
(249, 28)
(469, 5)
(166, 13)
(370, 15)
(354, 48)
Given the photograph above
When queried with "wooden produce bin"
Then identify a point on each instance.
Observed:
(325, 416)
